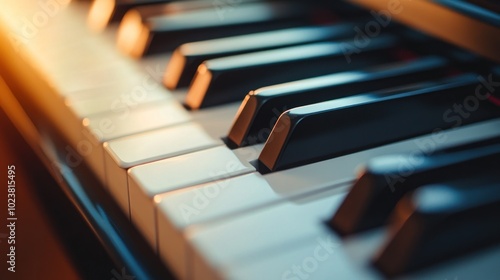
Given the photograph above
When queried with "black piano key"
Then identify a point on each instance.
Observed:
(324, 130)
(441, 221)
(228, 79)
(186, 58)
(386, 179)
(261, 108)
(139, 35)
(104, 12)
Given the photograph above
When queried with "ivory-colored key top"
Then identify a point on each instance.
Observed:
(193, 205)
(118, 101)
(124, 153)
(108, 126)
(149, 180)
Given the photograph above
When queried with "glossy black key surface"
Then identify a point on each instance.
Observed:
(139, 35)
(261, 108)
(186, 58)
(228, 79)
(386, 179)
(441, 221)
(324, 130)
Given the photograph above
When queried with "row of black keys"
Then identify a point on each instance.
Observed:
(397, 94)
(334, 94)
(438, 205)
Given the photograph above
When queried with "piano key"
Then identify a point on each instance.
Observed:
(114, 101)
(274, 227)
(138, 35)
(450, 269)
(326, 254)
(386, 179)
(262, 107)
(103, 12)
(185, 60)
(148, 180)
(179, 209)
(270, 229)
(107, 126)
(356, 122)
(124, 153)
(280, 187)
(216, 120)
(228, 79)
(443, 220)
(317, 257)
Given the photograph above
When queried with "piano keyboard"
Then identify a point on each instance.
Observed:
(270, 140)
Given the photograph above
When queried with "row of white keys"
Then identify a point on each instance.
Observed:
(324, 255)
(88, 74)
(95, 86)
(203, 204)
(64, 40)
(205, 131)
(265, 230)
(124, 153)
(147, 181)
(230, 248)
(114, 100)
(108, 126)
(86, 83)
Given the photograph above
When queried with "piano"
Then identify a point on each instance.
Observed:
(268, 139)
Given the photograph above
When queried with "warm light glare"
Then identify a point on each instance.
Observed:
(157, 198)
(132, 34)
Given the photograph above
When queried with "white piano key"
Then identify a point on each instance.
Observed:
(115, 101)
(327, 255)
(98, 77)
(231, 241)
(194, 205)
(216, 120)
(149, 180)
(124, 153)
(107, 126)
(110, 126)
(319, 256)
